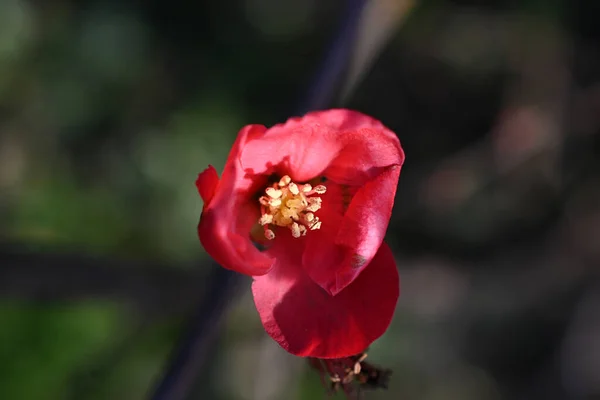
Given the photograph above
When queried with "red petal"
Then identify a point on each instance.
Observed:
(364, 225)
(301, 148)
(207, 184)
(344, 119)
(337, 253)
(226, 221)
(322, 257)
(366, 153)
(366, 147)
(349, 145)
(306, 321)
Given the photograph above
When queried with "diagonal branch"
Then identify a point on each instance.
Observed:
(65, 277)
(331, 74)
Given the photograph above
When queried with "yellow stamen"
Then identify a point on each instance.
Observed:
(320, 189)
(273, 193)
(290, 205)
(285, 181)
(293, 188)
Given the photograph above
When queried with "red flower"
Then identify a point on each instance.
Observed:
(316, 195)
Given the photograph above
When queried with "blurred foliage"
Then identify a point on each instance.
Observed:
(109, 110)
(44, 345)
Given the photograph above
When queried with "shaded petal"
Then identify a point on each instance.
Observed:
(365, 154)
(207, 184)
(322, 255)
(364, 225)
(343, 119)
(307, 321)
(335, 257)
(349, 145)
(366, 146)
(299, 148)
(227, 220)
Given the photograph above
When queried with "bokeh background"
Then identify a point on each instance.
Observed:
(109, 109)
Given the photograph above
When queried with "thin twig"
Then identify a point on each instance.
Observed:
(65, 276)
(191, 353)
(331, 74)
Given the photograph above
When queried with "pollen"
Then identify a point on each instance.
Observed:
(292, 205)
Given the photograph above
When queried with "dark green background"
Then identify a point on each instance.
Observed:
(108, 110)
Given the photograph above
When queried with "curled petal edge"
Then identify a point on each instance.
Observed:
(359, 236)
(227, 218)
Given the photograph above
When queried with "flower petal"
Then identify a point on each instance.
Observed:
(307, 321)
(365, 154)
(349, 145)
(345, 120)
(365, 223)
(299, 148)
(227, 219)
(207, 184)
(322, 256)
(335, 257)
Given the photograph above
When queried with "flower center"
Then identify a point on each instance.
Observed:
(291, 205)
